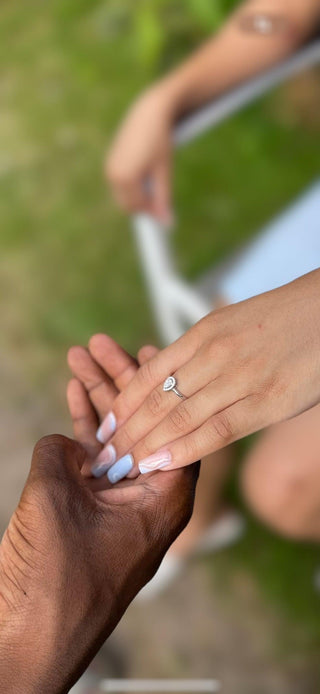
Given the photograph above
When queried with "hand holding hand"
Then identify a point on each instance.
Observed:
(77, 551)
(139, 163)
(241, 369)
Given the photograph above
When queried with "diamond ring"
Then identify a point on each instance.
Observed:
(171, 384)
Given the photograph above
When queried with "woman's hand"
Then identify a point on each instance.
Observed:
(241, 369)
(139, 163)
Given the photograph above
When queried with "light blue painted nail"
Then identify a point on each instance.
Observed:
(106, 458)
(99, 469)
(120, 469)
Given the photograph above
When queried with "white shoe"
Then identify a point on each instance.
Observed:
(87, 684)
(169, 569)
(222, 533)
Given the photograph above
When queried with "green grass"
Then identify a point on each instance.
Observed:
(284, 572)
(68, 266)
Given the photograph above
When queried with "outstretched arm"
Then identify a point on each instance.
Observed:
(241, 369)
(258, 35)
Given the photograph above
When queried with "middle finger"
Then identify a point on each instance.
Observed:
(158, 405)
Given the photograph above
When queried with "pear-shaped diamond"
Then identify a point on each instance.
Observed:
(169, 383)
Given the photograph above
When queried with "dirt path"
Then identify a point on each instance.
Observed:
(199, 630)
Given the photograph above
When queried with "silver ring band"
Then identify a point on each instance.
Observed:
(171, 384)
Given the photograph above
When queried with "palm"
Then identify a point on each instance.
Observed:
(101, 372)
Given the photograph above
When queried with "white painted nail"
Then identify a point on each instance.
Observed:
(156, 461)
(107, 428)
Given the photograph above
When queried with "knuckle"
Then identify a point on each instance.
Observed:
(51, 456)
(211, 350)
(145, 353)
(221, 348)
(49, 445)
(122, 407)
(154, 402)
(271, 386)
(277, 385)
(189, 450)
(146, 374)
(179, 418)
(126, 441)
(146, 449)
(222, 427)
(142, 354)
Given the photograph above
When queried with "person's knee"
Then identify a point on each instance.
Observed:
(277, 491)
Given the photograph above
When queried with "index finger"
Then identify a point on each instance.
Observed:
(151, 374)
(84, 418)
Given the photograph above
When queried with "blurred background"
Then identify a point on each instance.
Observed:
(69, 268)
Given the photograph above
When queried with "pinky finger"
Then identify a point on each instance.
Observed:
(146, 353)
(83, 417)
(225, 427)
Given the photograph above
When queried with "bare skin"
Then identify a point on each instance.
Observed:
(279, 479)
(142, 151)
(93, 368)
(77, 551)
(236, 366)
(260, 33)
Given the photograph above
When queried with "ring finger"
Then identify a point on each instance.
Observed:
(176, 418)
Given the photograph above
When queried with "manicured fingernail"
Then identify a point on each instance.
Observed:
(155, 462)
(107, 428)
(105, 459)
(120, 469)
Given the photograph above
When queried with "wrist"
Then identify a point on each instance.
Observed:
(46, 644)
(45, 636)
(24, 662)
(40, 652)
(179, 92)
(166, 98)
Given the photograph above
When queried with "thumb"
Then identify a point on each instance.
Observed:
(162, 192)
(57, 457)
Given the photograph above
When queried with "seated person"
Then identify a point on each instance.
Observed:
(260, 33)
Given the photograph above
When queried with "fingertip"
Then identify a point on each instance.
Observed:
(74, 353)
(102, 344)
(145, 353)
(72, 385)
(97, 339)
(134, 473)
(115, 361)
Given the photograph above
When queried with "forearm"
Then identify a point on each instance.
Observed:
(240, 50)
(46, 641)
(29, 651)
(25, 662)
(36, 658)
